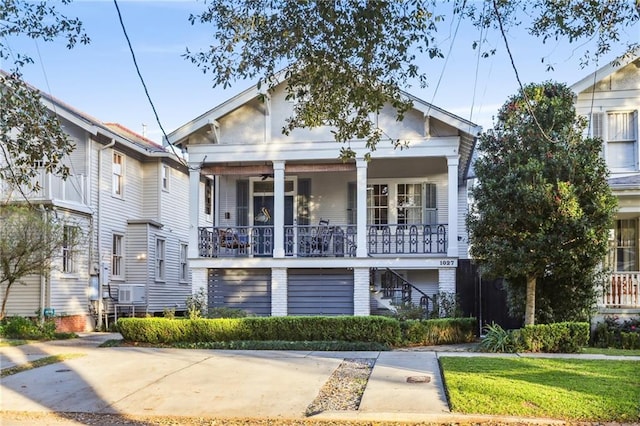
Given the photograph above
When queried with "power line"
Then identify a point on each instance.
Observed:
(144, 85)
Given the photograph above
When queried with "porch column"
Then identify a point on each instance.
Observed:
(278, 209)
(278, 292)
(361, 218)
(452, 247)
(361, 294)
(194, 198)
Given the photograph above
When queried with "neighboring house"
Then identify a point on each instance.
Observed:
(129, 198)
(290, 229)
(610, 98)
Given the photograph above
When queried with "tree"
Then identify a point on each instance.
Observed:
(543, 207)
(29, 240)
(347, 58)
(29, 134)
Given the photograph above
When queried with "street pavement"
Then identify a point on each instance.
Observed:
(146, 381)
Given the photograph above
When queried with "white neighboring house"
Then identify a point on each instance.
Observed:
(129, 197)
(610, 97)
(290, 229)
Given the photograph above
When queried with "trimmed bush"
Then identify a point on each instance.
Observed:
(614, 334)
(350, 329)
(561, 337)
(438, 331)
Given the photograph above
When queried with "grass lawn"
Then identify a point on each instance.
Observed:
(567, 389)
(611, 351)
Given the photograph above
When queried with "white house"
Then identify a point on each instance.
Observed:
(610, 98)
(290, 229)
(129, 198)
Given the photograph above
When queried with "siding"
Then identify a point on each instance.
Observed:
(24, 297)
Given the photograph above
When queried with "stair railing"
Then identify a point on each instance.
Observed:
(399, 289)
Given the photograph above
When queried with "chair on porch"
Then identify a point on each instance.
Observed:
(231, 240)
(320, 242)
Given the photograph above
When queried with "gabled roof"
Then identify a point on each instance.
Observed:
(251, 93)
(605, 71)
(94, 126)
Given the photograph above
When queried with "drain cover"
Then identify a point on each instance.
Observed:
(418, 379)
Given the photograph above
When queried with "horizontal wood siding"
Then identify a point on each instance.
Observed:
(247, 289)
(320, 292)
(24, 297)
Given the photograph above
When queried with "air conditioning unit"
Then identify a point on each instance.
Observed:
(133, 294)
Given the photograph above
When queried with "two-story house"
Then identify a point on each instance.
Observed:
(128, 197)
(290, 229)
(610, 99)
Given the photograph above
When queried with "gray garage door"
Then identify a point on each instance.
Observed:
(320, 292)
(248, 289)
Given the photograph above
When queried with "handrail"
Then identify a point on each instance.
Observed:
(407, 288)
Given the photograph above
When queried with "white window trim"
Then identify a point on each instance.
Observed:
(165, 177)
(160, 259)
(69, 261)
(121, 256)
(121, 175)
(603, 123)
(184, 262)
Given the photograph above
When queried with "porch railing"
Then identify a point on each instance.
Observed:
(300, 241)
(622, 290)
(52, 187)
(407, 239)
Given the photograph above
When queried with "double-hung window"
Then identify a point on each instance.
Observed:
(626, 246)
(118, 174)
(184, 270)
(160, 258)
(117, 256)
(619, 131)
(68, 238)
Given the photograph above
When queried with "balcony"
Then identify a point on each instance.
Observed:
(322, 240)
(622, 290)
(52, 188)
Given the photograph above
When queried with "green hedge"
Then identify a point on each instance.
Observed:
(438, 331)
(560, 337)
(375, 329)
(350, 329)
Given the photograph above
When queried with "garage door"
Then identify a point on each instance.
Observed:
(248, 289)
(320, 292)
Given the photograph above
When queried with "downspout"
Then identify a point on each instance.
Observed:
(99, 236)
(43, 279)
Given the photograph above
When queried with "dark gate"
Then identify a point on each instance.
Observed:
(320, 292)
(482, 298)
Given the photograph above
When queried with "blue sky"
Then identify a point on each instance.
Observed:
(100, 78)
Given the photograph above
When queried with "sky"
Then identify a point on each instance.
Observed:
(100, 78)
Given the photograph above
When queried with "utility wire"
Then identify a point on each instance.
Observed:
(146, 91)
(515, 70)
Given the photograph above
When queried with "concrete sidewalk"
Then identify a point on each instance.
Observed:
(211, 383)
(223, 383)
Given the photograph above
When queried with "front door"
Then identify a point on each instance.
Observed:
(263, 222)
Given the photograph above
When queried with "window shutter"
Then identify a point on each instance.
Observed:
(430, 204)
(597, 125)
(352, 203)
(304, 193)
(242, 203)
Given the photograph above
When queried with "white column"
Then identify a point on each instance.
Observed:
(361, 294)
(199, 280)
(194, 207)
(452, 164)
(278, 207)
(361, 219)
(279, 292)
(447, 280)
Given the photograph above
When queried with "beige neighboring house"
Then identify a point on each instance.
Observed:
(610, 98)
(129, 197)
(283, 227)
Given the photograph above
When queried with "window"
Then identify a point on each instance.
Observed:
(68, 238)
(118, 174)
(165, 177)
(430, 204)
(626, 246)
(160, 258)
(377, 204)
(116, 256)
(184, 270)
(409, 203)
(621, 140)
(352, 203)
(208, 196)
